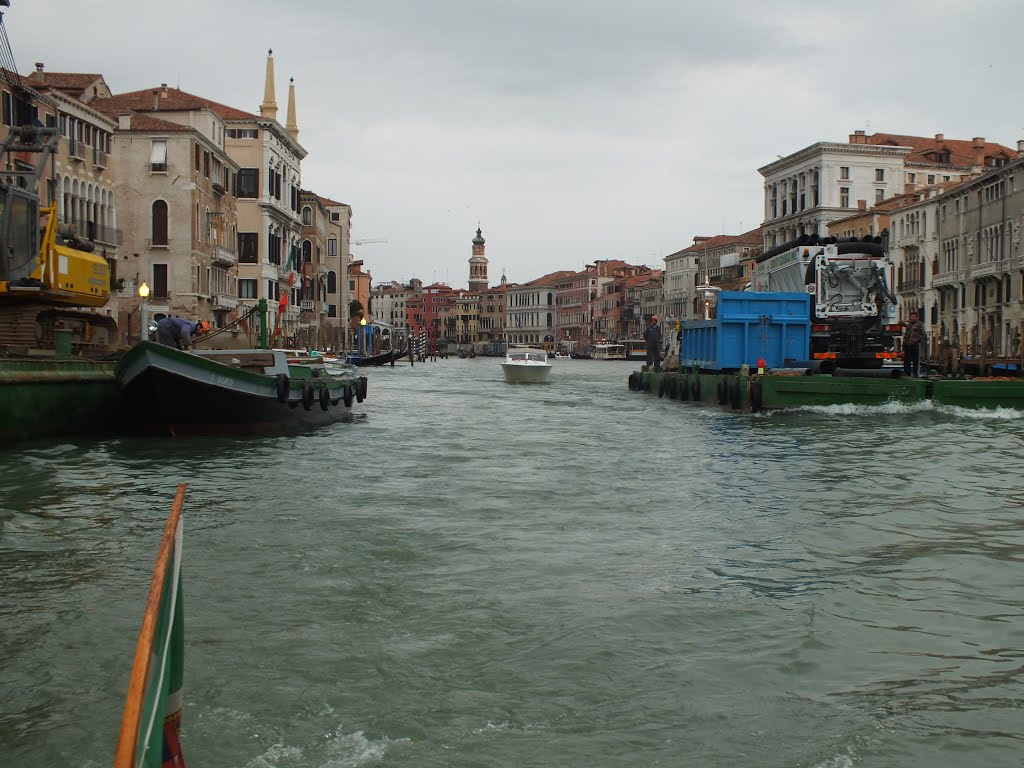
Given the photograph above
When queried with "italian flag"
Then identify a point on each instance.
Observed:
(152, 713)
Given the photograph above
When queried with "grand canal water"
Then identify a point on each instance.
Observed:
(478, 574)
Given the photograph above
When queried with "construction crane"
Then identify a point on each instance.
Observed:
(368, 241)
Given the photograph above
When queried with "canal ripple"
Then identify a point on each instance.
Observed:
(475, 574)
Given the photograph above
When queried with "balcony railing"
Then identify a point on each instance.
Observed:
(307, 305)
(987, 268)
(224, 255)
(76, 149)
(99, 157)
(224, 300)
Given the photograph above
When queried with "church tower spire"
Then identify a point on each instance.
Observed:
(478, 264)
(292, 127)
(268, 108)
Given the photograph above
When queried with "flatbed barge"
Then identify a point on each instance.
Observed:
(756, 392)
(56, 397)
(753, 353)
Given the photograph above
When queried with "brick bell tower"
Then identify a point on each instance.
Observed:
(478, 264)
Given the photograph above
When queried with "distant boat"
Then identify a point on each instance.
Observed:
(636, 349)
(525, 365)
(383, 358)
(608, 352)
(378, 344)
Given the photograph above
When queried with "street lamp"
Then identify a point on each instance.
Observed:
(362, 332)
(143, 294)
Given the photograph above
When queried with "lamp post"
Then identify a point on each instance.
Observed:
(362, 333)
(143, 294)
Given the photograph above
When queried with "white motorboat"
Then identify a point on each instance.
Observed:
(525, 365)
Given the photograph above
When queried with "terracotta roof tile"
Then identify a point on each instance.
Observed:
(170, 100)
(754, 237)
(924, 148)
(144, 122)
(550, 278)
(63, 81)
(328, 201)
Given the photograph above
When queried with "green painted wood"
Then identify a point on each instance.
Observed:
(780, 391)
(48, 398)
(974, 393)
(790, 391)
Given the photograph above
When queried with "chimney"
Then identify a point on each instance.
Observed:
(979, 151)
(156, 101)
(124, 121)
(39, 66)
(940, 137)
(1020, 147)
(163, 89)
(858, 137)
(862, 205)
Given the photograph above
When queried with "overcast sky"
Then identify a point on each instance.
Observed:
(570, 130)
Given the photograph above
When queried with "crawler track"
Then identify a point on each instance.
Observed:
(33, 326)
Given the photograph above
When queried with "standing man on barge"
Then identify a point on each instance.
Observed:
(652, 342)
(913, 334)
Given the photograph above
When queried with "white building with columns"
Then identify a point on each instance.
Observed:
(807, 189)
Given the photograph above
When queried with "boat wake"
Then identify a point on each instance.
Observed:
(894, 408)
(352, 749)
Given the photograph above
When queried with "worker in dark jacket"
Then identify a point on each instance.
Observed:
(652, 341)
(913, 334)
(178, 332)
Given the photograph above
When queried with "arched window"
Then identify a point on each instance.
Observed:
(307, 216)
(307, 252)
(159, 227)
(332, 282)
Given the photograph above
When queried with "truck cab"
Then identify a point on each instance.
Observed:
(853, 309)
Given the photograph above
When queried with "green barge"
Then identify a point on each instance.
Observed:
(47, 397)
(753, 392)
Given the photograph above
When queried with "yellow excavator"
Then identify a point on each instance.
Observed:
(48, 274)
